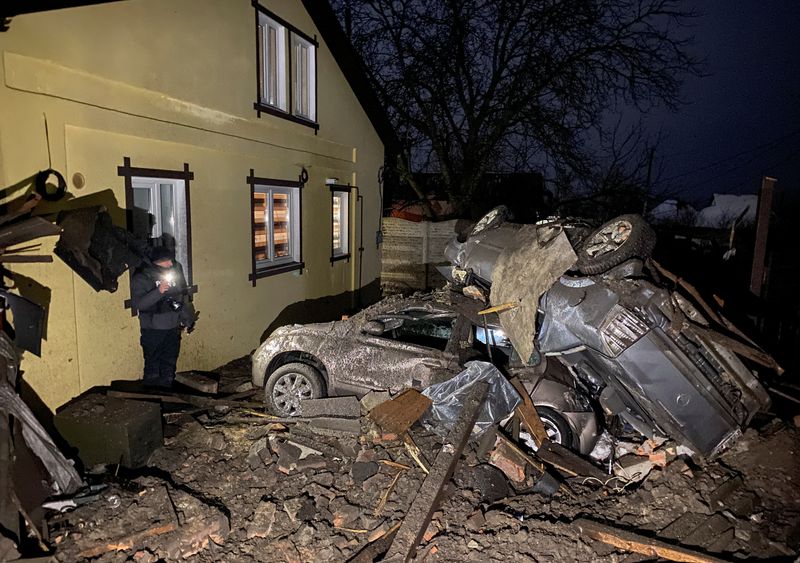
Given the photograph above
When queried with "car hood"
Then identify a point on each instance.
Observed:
(297, 338)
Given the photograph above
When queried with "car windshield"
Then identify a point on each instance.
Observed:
(422, 327)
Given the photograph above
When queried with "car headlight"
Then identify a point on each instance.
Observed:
(621, 329)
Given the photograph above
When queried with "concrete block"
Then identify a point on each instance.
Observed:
(108, 430)
(336, 426)
(341, 407)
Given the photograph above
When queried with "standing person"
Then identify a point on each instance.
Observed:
(159, 294)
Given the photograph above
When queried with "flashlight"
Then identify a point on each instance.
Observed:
(169, 277)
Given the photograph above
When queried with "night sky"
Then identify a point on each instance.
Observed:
(742, 120)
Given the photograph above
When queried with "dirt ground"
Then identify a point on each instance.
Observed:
(229, 485)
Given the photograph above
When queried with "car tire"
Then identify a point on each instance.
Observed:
(557, 427)
(291, 383)
(491, 219)
(618, 240)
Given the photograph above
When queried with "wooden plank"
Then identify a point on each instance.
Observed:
(375, 549)
(419, 515)
(630, 541)
(527, 413)
(568, 462)
(128, 542)
(178, 398)
(198, 382)
(397, 416)
(29, 229)
(25, 259)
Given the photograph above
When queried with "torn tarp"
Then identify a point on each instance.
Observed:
(448, 399)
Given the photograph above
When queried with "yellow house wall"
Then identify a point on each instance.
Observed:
(166, 82)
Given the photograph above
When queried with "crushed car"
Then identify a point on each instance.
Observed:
(640, 352)
(410, 343)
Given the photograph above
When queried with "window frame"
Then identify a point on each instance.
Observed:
(291, 31)
(129, 172)
(335, 257)
(265, 268)
(297, 42)
(282, 60)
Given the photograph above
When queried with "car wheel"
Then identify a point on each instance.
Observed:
(556, 426)
(290, 384)
(622, 238)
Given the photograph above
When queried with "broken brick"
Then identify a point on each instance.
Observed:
(345, 515)
(432, 531)
(374, 483)
(287, 551)
(373, 399)
(195, 535)
(363, 470)
(325, 479)
(476, 521)
(658, 458)
(384, 437)
(299, 509)
(259, 454)
(263, 520)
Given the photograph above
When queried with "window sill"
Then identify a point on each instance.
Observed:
(263, 108)
(340, 257)
(275, 270)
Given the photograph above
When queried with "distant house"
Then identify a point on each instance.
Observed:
(245, 131)
(725, 209)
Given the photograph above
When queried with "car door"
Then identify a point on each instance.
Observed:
(416, 349)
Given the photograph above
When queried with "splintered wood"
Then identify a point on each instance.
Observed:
(397, 416)
(428, 497)
(527, 412)
(636, 543)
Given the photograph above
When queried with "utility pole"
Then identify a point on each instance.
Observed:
(649, 179)
(757, 272)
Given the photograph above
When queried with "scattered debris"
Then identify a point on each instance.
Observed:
(429, 496)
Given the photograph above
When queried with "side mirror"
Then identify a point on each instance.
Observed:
(374, 328)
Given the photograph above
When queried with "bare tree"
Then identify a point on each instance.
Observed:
(496, 85)
(625, 176)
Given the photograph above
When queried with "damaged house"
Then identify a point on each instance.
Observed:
(240, 133)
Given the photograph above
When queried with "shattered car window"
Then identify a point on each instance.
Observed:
(429, 332)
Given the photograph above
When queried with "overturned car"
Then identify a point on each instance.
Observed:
(641, 353)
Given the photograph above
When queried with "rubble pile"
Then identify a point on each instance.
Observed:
(236, 484)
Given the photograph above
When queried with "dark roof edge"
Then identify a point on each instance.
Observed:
(351, 66)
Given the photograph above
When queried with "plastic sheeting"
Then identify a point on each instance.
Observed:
(448, 399)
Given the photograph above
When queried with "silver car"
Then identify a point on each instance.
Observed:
(402, 343)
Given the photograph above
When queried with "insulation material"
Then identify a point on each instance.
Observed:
(523, 273)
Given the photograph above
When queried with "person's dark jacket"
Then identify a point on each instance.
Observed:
(154, 308)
